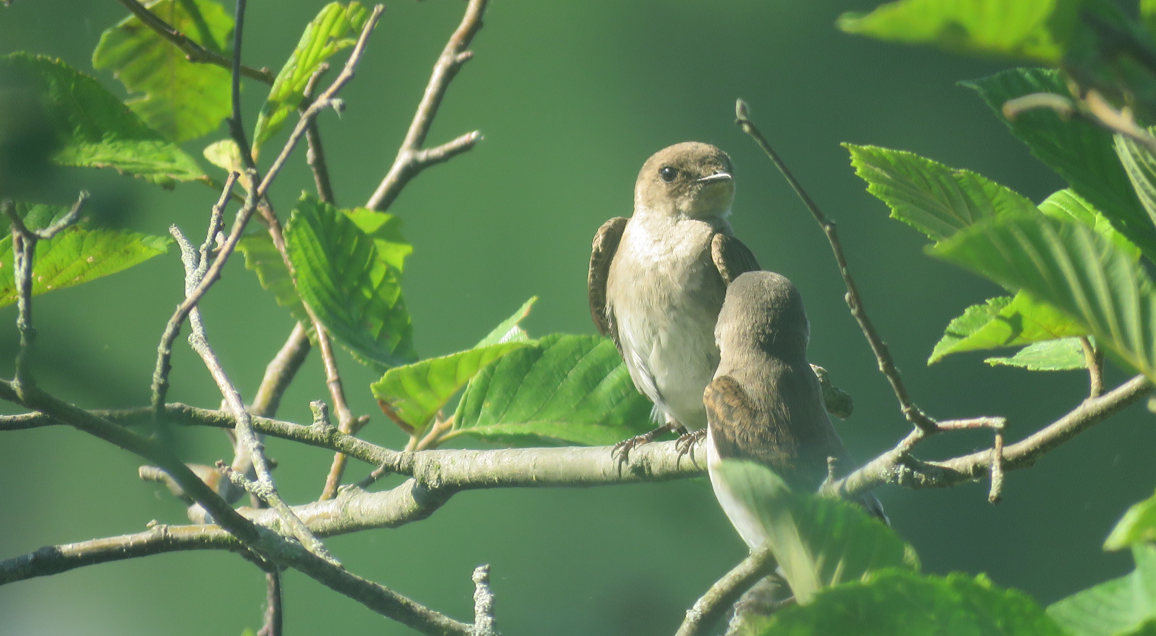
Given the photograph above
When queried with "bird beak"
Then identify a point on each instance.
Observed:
(717, 177)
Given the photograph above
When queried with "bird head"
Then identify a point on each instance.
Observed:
(690, 180)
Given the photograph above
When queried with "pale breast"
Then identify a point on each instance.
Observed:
(665, 295)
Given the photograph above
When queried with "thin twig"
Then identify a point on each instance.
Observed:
(1094, 107)
(194, 52)
(411, 158)
(854, 300)
(726, 591)
(1095, 362)
(273, 611)
(236, 127)
(315, 156)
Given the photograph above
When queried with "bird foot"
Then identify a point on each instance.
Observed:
(685, 443)
(621, 451)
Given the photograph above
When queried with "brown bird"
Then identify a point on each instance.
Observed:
(657, 280)
(765, 404)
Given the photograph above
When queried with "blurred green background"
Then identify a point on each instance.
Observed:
(572, 98)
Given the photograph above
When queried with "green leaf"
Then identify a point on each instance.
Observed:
(385, 230)
(1140, 166)
(509, 330)
(1003, 322)
(262, 257)
(1066, 205)
(1052, 355)
(929, 196)
(181, 99)
(818, 541)
(562, 390)
(76, 255)
(1126, 605)
(1032, 29)
(225, 154)
(903, 603)
(1079, 151)
(1137, 526)
(349, 284)
(327, 34)
(1148, 14)
(1071, 267)
(93, 127)
(415, 393)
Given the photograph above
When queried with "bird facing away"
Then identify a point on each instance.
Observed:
(765, 404)
(657, 280)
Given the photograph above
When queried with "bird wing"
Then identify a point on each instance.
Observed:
(601, 254)
(743, 431)
(731, 257)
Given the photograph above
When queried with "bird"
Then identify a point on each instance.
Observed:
(657, 282)
(764, 404)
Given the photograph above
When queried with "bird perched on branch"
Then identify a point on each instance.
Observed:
(658, 279)
(765, 404)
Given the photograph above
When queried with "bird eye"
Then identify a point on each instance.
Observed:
(668, 174)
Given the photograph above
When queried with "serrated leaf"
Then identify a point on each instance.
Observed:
(385, 230)
(929, 196)
(416, 392)
(349, 284)
(1003, 322)
(1053, 355)
(1079, 151)
(1032, 29)
(180, 99)
(74, 256)
(903, 603)
(93, 127)
(335, 28)
(1072, 268)
(262, 258)
(1126, 605)
(1066, 205)
(509, 330)
(1137, 526)
(818, 541)
(561, 390)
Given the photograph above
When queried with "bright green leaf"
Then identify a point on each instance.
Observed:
(559, 391)
(1003, 322)
(508, 330)
(1126, 605)
(349, 284)
(93, 127)
(818, 541)
(903, 603)
(1032, 29)
(929, 196)
(336, 27)
(415, 393)
(262, 257)
(1079, 151)
(1072, 268)
(1052, 355)
(385, 230)
(181, 99)
(1148, 14)
(226, 155)
(1140, 165)
(1066, 205)
(76, 255)
(1137, 526)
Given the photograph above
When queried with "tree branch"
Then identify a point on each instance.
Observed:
(411, 158)
(194, 52)
(726, 591)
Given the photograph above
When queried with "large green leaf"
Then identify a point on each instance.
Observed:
(350, 284)
(1004, 322)
(182, 100)
(1033, 29)
(1066, 205)
(262, 257)
(818, 541)
(1140, 165)
(903, 603)
(1071, 267)
(1052, 355)
(415, 393)
(929, 196)
(562, 390)
(93, 127)
(1126, 605)
(1137, 526)
(336, 27)
(1079, 151)
(76, 255)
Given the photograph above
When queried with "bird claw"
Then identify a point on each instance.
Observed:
(621, 450)
(685, 443)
